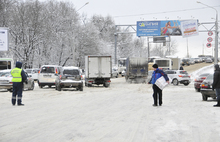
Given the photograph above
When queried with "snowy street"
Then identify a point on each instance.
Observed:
(121, 113)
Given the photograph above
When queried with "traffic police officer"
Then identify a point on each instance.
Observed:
(18, 80)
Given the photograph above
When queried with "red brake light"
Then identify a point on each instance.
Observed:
(60, 76)
(56, 71)
(204, 86)
(203, 78)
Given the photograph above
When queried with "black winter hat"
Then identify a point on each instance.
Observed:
(155, 66)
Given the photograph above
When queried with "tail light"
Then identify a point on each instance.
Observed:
(180, 75)
(60, 76)
(39, 70)
(204, 86)
(56, 71)
(11, 82)
(203, 78)
(108, 81)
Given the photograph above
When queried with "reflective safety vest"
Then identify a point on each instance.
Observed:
(16, 73)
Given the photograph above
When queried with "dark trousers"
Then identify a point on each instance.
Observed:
(157, 92)
(17, 90)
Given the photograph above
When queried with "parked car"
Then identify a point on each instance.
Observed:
(186, 61)
(48, 74)
(192, 61)
(114, 72)
(33, 73)
(70, 77)
(199, 80)
(206, 88)
(123, 72)
(178, 76)
(6, 83)
(208, 60)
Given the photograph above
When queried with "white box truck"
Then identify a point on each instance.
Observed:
(136, 70)
(98, 70)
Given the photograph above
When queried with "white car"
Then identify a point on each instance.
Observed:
(33, 73)
(48, 74)
(178, 76)
(114, 73)
(6, 83)
(123, 72)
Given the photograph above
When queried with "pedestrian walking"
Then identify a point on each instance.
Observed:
(18, 80)
(181, 67)
(157, 91)
(216, 84)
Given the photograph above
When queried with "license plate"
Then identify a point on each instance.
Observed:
(47, 75)
(4, 81)
(71, 77)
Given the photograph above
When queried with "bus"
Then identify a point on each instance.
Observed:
(164, 63)
(121, 64)
(6, 63)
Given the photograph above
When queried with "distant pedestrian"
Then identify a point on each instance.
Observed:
(216, 84)
(181, 67)
(157, 91)
(18, 80)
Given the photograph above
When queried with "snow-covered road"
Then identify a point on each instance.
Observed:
(121, 113)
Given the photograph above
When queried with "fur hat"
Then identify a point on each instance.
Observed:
(155, 66)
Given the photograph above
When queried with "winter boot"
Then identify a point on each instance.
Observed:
(13, 101)
(20, 104)
(217, 105)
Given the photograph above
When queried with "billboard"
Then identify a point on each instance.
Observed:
(189, 28)
(3, 39)
(159, 28)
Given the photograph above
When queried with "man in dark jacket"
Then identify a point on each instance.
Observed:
(156, 75)
(216, 84)
(18, 80)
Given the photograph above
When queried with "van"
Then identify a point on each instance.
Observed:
(47, 75)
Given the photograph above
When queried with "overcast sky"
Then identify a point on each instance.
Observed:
(127, 12)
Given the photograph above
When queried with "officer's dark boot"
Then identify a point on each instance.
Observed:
(217, 105)
(13, 101)
(19, 103)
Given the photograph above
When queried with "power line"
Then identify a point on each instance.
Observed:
(161, 12)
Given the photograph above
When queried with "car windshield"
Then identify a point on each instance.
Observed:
(47, 70)
(71, 72)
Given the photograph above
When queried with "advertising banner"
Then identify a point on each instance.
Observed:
(159, 28)
(3, 39)
(189, 28)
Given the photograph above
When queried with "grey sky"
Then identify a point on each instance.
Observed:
(129, 12)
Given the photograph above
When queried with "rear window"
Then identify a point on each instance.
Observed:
(183, 72)
(47, 70)
(28, 71)
(210, 77)
(71, 72)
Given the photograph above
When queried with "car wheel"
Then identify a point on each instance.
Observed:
(10, 90)
(32, 86)
(186, 84)
(175, 82)
(41, 86)
(197, 89)
(117, 76)
(204, 97)
(81, 88)
(58, 87)
(49, 86)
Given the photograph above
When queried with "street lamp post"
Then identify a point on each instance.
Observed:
(216, 33)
